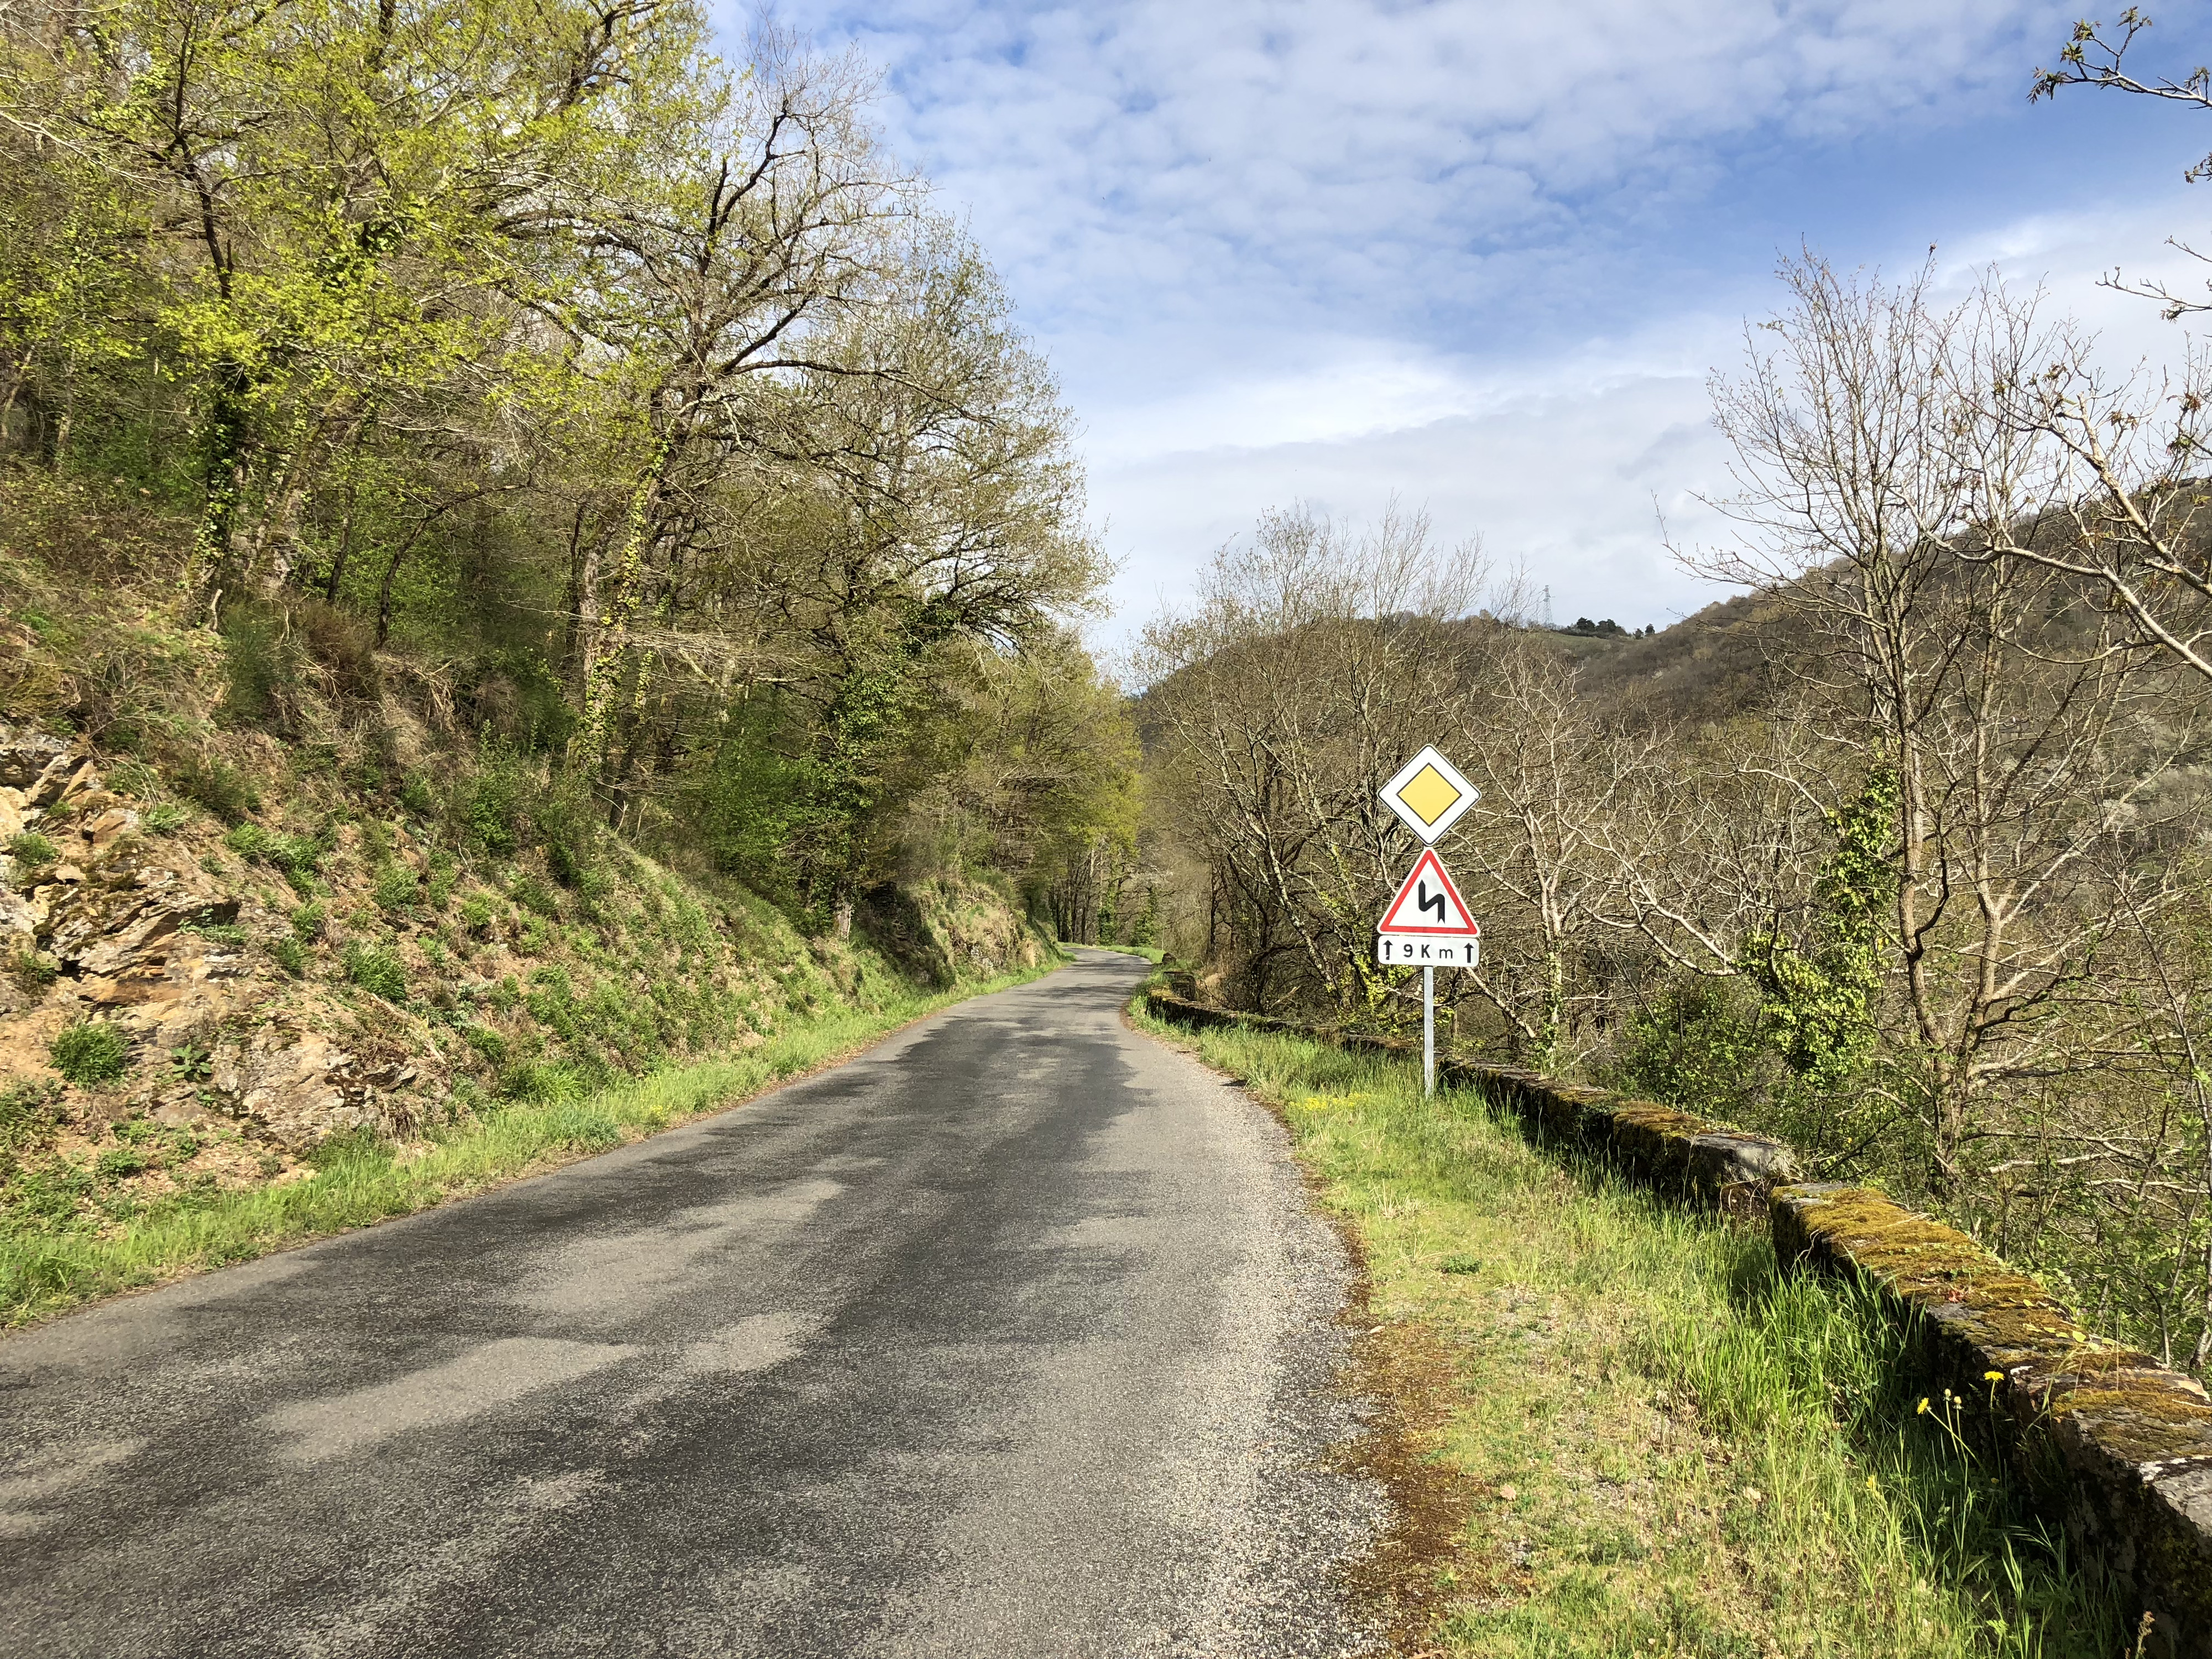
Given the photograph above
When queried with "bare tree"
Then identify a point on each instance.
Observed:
(2023, 725)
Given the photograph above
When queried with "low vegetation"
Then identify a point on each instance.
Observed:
(1646, 1439)
(71, 1229)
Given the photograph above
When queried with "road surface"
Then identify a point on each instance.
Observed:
(1011, 1339)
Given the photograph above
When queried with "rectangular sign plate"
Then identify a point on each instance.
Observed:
(1419, 950)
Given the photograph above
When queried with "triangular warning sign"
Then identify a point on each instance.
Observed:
(1429, 905)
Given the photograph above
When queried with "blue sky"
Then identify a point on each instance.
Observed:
(1483, 258)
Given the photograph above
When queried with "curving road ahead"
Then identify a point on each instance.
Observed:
(1011, 1339)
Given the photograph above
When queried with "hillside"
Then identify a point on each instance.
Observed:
(236, 938)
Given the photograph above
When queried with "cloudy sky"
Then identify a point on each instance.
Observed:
(1483, 257)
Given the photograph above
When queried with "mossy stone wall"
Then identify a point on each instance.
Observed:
(2118, 1447)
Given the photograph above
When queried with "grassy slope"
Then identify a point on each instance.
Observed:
(1648, 1440)
(364, 1180)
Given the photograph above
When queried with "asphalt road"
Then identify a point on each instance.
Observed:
(1011, 1339)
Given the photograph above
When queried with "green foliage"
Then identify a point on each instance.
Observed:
(167, 817)
(1819, 1009)
(475, 914)
(32, 852)
(30, 1113)
(217, 785)
(396, 889)
(289, 955)
(295, 855)
(307, 921)
(32, 970)
(376, 969)
(1696, 1045)
(535, 897)
(89, 1052)
(116, 1162)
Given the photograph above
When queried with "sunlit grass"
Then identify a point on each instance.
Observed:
(362, 1181)
(1679, 1449)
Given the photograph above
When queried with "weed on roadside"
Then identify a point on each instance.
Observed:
(1663, 1443)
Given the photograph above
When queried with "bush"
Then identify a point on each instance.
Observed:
(161, 820)
(260, 666)
(307, 923)
(486, 1042)
(89, 1052)
(31, 851)
(295, 855)
(33, 970)
(118, 1161)
(396, 889)
(133, 778)
(289, 955)
(217, 785)
(476, 913)
(376, 970)
(494, 809)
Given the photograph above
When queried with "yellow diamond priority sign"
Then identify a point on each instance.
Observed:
(1428, 795)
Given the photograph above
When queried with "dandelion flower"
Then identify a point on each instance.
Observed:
(1992, 1376)
(1923, 1407)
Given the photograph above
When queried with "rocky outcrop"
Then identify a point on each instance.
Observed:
(129, 928)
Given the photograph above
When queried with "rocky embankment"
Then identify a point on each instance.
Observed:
(186, 1003)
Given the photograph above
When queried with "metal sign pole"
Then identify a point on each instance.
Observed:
(1428, 1030)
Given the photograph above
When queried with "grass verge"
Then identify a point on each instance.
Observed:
(1649, 1440)
(362, 1180)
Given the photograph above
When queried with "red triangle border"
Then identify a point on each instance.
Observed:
(1428, 862)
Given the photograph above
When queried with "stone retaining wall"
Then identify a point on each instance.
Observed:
(2119, 1446)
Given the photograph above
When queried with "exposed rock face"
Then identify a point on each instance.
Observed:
(133, 931)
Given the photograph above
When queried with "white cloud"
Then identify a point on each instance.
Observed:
(1458, 251)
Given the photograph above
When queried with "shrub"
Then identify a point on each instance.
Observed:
(133, 778)
(295, 855)
(486, 1042)
(476, 913)
(441, 885)
(217, 785)
(33, 970)
(376, 970)
(31, 851)
(260, 666)
(91, 1051)
(119, 1161)
(289, 955)
(308, 922)
(494, 807)
(535, 897)
(163, 819)
(397, 887)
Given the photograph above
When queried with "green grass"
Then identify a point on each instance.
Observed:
(1651, 1440)
(45, 1268)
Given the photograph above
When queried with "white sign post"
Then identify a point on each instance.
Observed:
(1428, 922)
